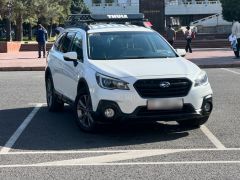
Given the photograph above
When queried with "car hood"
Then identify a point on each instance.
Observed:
(144, 67)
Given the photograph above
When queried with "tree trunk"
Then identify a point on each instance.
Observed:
(19, 29)
(29, 31)
(9, 29)
(50, 31)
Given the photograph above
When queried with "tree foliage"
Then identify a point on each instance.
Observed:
(231, 10)
(78, 6)
(47, 12)
(3, 9)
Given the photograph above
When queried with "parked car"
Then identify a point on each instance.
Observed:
(112, 68)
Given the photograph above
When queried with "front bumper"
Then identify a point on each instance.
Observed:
(141, 113)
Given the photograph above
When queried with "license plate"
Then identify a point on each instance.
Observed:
(165, 104)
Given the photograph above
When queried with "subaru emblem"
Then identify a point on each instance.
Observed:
(164, 84)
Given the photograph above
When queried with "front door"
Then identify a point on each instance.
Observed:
(73, 70)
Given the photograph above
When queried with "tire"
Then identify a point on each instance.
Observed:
(53, 102)
(193, 122)
(83, 112)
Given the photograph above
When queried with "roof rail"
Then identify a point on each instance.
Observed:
(83, 20)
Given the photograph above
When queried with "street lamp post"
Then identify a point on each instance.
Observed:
(9, 27)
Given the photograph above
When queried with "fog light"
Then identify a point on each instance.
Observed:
(207, 107)
(109, 112)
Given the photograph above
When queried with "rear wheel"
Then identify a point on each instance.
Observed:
(53, 102)
(84, 111)
(193, 122)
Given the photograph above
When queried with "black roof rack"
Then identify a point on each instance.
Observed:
(84, 20)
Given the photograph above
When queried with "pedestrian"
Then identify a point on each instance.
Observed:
(233, 41)
(188, 37)
(170, 35)
(236, 32)
(41, 38)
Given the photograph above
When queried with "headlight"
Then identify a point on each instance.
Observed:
(202, 79)
(111, 83)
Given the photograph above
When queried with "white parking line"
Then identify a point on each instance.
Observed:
(109, 158)
(6, 148)
(231, 71)
(112, 151)
(121, 164)
(212, 138)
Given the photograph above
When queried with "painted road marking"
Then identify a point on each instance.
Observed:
(122, 164)
(112, 151)
(34, 104)
(230, 71)
(112, 157)
(212, 138)
(7, 147)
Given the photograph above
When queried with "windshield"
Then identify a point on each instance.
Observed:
(128, 45)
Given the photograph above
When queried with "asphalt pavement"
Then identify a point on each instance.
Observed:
(37, 144)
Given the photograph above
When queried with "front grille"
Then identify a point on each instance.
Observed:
(150, 88)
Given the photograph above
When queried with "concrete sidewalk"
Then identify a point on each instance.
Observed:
(205, 58)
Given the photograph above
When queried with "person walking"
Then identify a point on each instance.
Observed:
(41, 38)
(188, 37)
(170, 35)
(236, 32)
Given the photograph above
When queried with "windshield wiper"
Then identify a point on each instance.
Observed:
(143, 57)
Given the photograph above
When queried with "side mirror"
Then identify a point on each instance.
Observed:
(70, 56)
(181, 52)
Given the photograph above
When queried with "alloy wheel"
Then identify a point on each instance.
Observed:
(84, 110)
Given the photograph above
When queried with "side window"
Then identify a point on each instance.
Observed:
(66, 42)
(77, 45)
(58, 41)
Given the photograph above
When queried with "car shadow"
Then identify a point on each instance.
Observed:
(59, 131)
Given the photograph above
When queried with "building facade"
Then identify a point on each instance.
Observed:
(113, 6)
(186, 11)
(155, 12)
(201, 13)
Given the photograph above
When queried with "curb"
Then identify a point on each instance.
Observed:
(22, 68)
(205, 66)
(41, 68)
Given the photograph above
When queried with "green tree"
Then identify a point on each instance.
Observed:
(231, 10)
(3, 8)
(79, 7)
(51, 12)
(6, 13)
(22, 10)
(47, 12)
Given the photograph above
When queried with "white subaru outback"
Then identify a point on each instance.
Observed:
(113, 68)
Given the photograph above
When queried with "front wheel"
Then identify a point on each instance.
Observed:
(54, 104)
(193, 122)
(84, 112)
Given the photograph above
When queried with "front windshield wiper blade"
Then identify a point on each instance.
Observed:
(141, 57)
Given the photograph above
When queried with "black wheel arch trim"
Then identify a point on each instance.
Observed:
(47, 71)
(82, 83)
